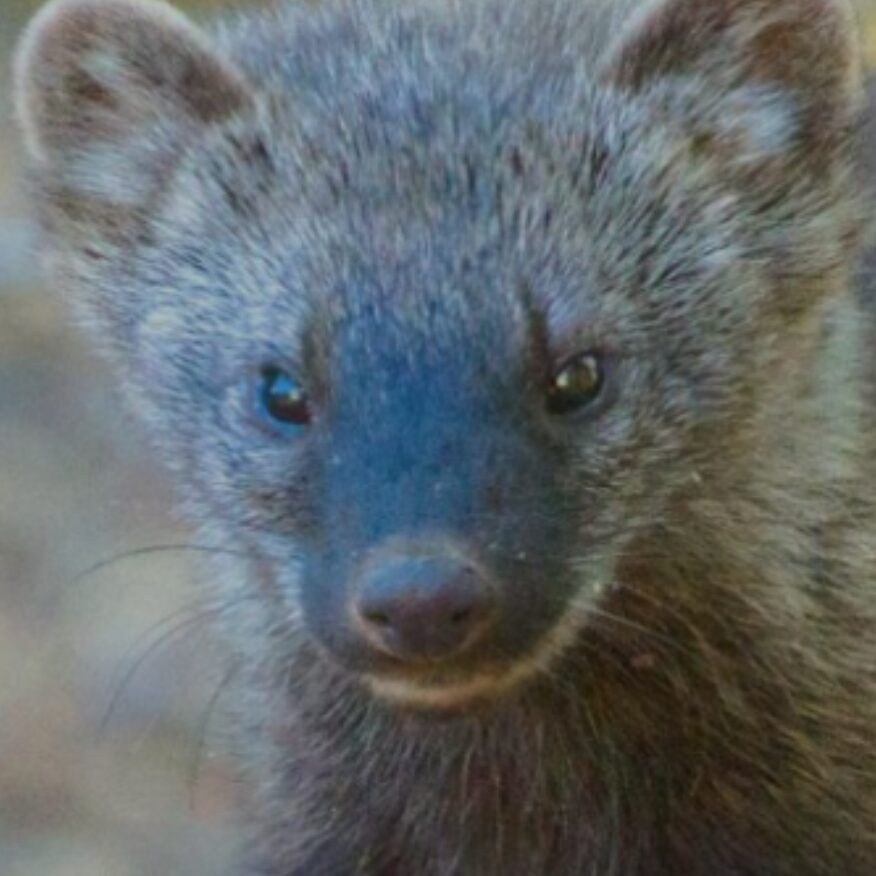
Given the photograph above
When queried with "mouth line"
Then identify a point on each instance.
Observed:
(452, 694)
(488, 683)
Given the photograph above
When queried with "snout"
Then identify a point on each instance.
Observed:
(423, 607)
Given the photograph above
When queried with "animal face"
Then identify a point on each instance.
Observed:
(432, 338)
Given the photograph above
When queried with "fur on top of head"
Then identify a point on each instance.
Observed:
(107, 91)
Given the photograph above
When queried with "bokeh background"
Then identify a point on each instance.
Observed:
(110, 742)
(108, 735)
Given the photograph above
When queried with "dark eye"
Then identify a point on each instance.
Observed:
(280, 401)
(576, 384)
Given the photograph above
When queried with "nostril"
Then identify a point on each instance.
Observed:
(378, 618)
(461, 616)
(382, 618)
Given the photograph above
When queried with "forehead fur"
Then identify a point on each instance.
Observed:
(438, 208)
(417, 145)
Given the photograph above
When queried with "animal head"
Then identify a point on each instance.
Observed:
(435, 309)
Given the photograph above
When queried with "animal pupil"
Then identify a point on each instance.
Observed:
(578, 383)
(282, 398)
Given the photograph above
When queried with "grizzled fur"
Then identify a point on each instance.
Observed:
(419, 208)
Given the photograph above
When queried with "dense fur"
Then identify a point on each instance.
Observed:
(393, 200)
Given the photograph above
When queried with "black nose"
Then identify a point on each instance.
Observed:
(424, 607)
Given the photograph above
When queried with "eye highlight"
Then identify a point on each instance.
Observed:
(576, 384)
(280, 402)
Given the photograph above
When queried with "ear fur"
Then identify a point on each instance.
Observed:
(790, 64)
(107, 91)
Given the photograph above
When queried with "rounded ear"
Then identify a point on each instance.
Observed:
(107, 91)
(792, 62)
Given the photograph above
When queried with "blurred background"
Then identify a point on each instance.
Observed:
(107, 725)
(110, 742)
